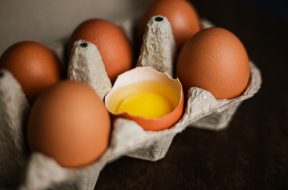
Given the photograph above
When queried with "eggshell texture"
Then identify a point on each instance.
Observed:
(142, 75)
(181, 15)
(113, 45)
(69, 123)
(34, 66)
(215, 60)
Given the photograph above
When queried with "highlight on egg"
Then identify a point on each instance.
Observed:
(214, 59)
(181, 14)
(112, 43)
(148, 97)
(34, 66)
(69, 123)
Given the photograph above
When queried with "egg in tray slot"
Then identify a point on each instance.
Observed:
(129, 135)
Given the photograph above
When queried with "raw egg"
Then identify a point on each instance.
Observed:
(216, 60)
(181, 14)
(112, 43)
(69, 122)
(148, 97)
(34, 66)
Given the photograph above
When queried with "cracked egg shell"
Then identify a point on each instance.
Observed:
(215, 60)
(69, 122)
(112, 43)
(160, 98)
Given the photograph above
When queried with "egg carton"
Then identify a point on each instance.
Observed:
(40, 172)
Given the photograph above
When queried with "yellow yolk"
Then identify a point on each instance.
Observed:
(145, 104)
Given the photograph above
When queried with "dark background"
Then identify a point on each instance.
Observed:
(253, 152)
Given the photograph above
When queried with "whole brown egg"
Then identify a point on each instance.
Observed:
(69, 123)
(34, 66)
(111, 41)
(181, 14)
(214, 59)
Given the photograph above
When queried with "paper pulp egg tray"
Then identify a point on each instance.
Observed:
(19, 170)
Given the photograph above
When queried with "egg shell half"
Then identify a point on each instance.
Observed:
(142, 74)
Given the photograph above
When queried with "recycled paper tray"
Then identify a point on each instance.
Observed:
(18, 170)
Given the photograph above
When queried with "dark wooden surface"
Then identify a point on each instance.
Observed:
(253, 152)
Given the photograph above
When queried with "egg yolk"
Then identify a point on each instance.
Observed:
(145, 104)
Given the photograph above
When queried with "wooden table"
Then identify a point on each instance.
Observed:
(253, 152)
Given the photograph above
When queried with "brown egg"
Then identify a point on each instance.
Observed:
(34, 65)
(215, 60)
(181, 15)
(113, 45)
(69, 123)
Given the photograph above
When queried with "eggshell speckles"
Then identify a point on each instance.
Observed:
(33, 65)
(181, 15)
(113, 45)
(140, 75)
(215, 60)
(69, 123)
